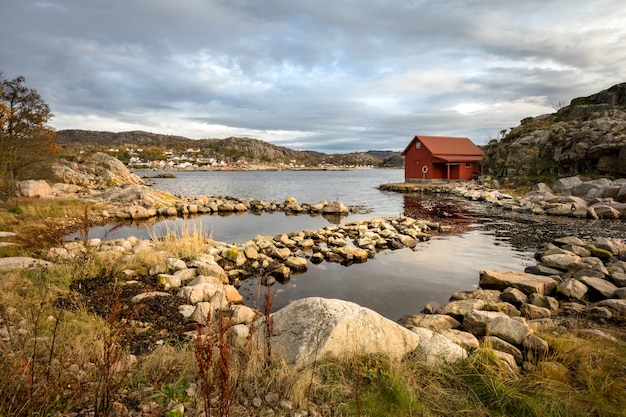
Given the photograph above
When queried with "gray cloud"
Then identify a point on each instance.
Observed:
(334, 76)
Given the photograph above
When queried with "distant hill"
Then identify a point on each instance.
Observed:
(588, 136)
(253, 150)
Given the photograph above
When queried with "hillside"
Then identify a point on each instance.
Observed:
(586, 137)
(152, 146)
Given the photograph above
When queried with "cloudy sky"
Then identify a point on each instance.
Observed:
(332, 76)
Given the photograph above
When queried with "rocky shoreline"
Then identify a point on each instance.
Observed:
(575, 284)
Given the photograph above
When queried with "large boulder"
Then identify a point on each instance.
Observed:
(34, 188)
(310, 328)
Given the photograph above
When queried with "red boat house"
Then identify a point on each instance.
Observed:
(441, 158)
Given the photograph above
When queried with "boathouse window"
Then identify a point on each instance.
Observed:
(418, 145)
(468, 165)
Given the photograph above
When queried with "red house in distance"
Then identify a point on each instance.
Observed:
(441, 158)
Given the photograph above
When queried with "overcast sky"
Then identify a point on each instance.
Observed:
(332, 76)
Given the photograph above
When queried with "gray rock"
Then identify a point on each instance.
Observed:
(505, 328)
(466, 340)
(600, 286)
(34, 188)
(435, 322)
(563, 262)
(485, 295)
(503, 346)
(514, 296)
(459, 308)
(211, 269)
(475, 321)
(198, 293)
(297, 263)
(600, 313)
(175, 264)
(503, 307)
(524, 282)
(536, 345)
(22, 262)
(617, 306)
(150, 294)
(564, 184)
(534, 312)
(568, 240)
(542, 270)
(310, 328)
(572, 288)
(620, 293)
(545, 301)
(437, 349)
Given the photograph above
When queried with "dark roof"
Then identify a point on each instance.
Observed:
(449, 148)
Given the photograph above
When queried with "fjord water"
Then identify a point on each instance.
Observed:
(394, 283)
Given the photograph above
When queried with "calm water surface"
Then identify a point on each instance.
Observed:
(395, 283)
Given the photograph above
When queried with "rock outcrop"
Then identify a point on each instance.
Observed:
(588, 136)
(87, 177)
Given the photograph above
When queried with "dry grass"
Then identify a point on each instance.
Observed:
(184, 241)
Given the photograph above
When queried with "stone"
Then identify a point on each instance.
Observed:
(437, 349)
(243, 315)
(297, 263)
(572, 288)
(604, 211)
(507, 329)
(168, 281)
(561, 261)
(588, 272)
(34, 188)
(150, 294)
(186, 274)
(335, 207)
(568, 240)
(620, 293)
(617, 306)
(540, 269)
(503, 346)
(564, 184)
(533, 312)
(485, 295)
(507, 360)
(310, 328)
(536, 345)
(513, 296)
(175, 264)
(545, 301)
(524, 282)
(22, 262)
(211, 269)
(503, 307)
(619, 279)
(198, 293)
(460, 308)
(599, 286)
(466, 340)
(475, 321)
(600, 313)
(435, 322)
(232, 295)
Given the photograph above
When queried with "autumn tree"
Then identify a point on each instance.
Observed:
(26, 141)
